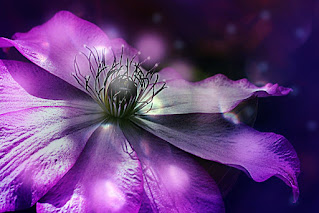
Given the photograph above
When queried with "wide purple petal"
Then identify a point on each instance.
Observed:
(106, 178)
(212, 137)
(64, 39)
(173, 181)
(38, 82)
(41, 85)
(40, 139)
(213, 95)
(37, 147)
(55, 44)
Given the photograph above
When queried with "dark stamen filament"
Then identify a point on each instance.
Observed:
(120, 89)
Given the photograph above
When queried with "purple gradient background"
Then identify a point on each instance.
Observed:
(262, 40)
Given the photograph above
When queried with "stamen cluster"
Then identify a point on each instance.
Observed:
(118, 84)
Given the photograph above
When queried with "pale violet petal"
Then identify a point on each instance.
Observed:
(14, 97)
(65, 39)
(213, 95)
(38, 82)
(37, 147)
(173, 181)
(212, 137)
(106, 178)
(55, 44)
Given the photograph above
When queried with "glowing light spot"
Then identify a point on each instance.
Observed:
(263, 66)
(265, 15)
(157, 106)
(301, 33)
(42, 58)
(108, 196)
(45, 44)
(295, 91)
(157, 18)
(184, 68)
(312, 126)
(232, 117)
(152, 45)
(103, 49)
(176, 178)
(106, 126)
(113, 193)
(231, 29)
(112, 31)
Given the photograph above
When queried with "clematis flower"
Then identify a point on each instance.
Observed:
(84, 128)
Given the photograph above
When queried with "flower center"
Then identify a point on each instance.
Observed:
(121, 89)
(121, 94)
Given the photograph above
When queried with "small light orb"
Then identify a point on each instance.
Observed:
(151, 45)
(262, 66)
(312, 126)
(107, 197)
(184, 68)
(265, 15)
(301, 33)
(231, 29)
(111, 31)
(157, 18)
(176, 178)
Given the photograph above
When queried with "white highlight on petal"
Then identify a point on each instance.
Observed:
(157, 104)
(145, 147)
(42, 58)
(108, 196)
(102, 49)
(114, 197)
(45, 44)
(106, 126)
(176, 178)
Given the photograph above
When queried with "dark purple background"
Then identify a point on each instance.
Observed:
(262, 40)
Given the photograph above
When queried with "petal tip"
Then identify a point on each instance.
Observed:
(275, 90)
(295, 192)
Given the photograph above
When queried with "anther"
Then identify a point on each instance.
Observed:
(122, 88)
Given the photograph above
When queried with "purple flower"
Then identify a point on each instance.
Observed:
(84, 128)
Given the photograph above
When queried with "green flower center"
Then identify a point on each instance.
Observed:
(121, 96)
(121, 87)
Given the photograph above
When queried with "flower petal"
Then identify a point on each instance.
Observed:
(55, 44)
(211, 137)
(40, 139)
(37, 147)
(38, 83)
(67, 45)
(106, 178)
(173, 181)
(213, 95)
